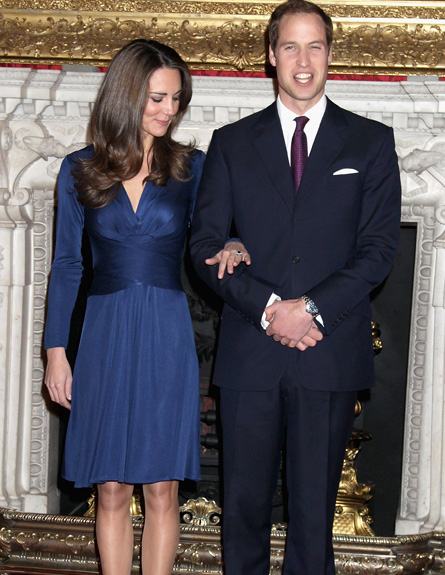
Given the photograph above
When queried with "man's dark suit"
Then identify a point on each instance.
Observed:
(334, 241)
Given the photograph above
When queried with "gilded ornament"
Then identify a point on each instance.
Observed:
(367, 565)
(31, 542)
(377, 344)
(5, 542)
(193, 555)
(200, 512)
(388, 38)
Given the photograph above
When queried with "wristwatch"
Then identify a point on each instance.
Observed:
(310, 305)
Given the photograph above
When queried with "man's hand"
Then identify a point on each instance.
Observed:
(291, 325)
(230, 257)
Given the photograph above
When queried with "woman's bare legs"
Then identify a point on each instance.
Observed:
(114, 528)
(161, 528)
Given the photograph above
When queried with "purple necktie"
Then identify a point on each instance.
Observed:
(298, 150)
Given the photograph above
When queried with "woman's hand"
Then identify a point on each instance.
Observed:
(58, 377)
(229, 258)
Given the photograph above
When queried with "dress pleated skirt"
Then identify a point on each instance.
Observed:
(135, 414)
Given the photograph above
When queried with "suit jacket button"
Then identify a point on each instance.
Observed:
(296, 259)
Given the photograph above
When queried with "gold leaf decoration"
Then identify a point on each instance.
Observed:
(370, 38)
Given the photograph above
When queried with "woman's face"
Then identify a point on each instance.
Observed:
(164, 89)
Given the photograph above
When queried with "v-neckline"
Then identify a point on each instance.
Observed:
(135, 211)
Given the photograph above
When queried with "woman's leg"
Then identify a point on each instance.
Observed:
(161, 528)
(114, 529)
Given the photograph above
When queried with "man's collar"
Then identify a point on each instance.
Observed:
(314, 113)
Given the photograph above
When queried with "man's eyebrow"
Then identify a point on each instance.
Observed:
(294, 42)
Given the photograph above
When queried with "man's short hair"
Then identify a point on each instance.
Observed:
(297, 7)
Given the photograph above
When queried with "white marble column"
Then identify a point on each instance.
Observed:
(38, 126)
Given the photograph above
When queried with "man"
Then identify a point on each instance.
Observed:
(318, 247)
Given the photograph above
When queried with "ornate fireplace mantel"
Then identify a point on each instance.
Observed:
(44, 115)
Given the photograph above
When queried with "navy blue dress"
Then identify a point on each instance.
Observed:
(135, 397)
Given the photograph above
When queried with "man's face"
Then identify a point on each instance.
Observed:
(301, 58)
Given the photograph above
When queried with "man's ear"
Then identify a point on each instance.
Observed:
(272, 58)
(330, 56)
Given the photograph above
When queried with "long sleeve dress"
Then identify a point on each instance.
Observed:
(135, 395)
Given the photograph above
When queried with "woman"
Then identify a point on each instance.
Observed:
(135, 392)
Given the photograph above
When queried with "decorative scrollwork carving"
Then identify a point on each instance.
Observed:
(44, 543)
(366, 565)
(5, 542)
(200, 512)
(414, 45)
(392, 38)
(192, 557)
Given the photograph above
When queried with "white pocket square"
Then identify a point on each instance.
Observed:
(345, 171)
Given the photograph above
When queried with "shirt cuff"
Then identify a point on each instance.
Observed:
(319, 319)
(273, 297)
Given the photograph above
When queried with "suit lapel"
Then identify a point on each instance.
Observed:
(269, 143)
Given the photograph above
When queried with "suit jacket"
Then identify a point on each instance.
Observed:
(334, 241)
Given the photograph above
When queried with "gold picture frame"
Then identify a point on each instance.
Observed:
(404, 37)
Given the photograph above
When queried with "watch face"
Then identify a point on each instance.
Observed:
(311, 308)
(310, 305)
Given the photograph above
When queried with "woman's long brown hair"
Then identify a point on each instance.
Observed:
(116, 123)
